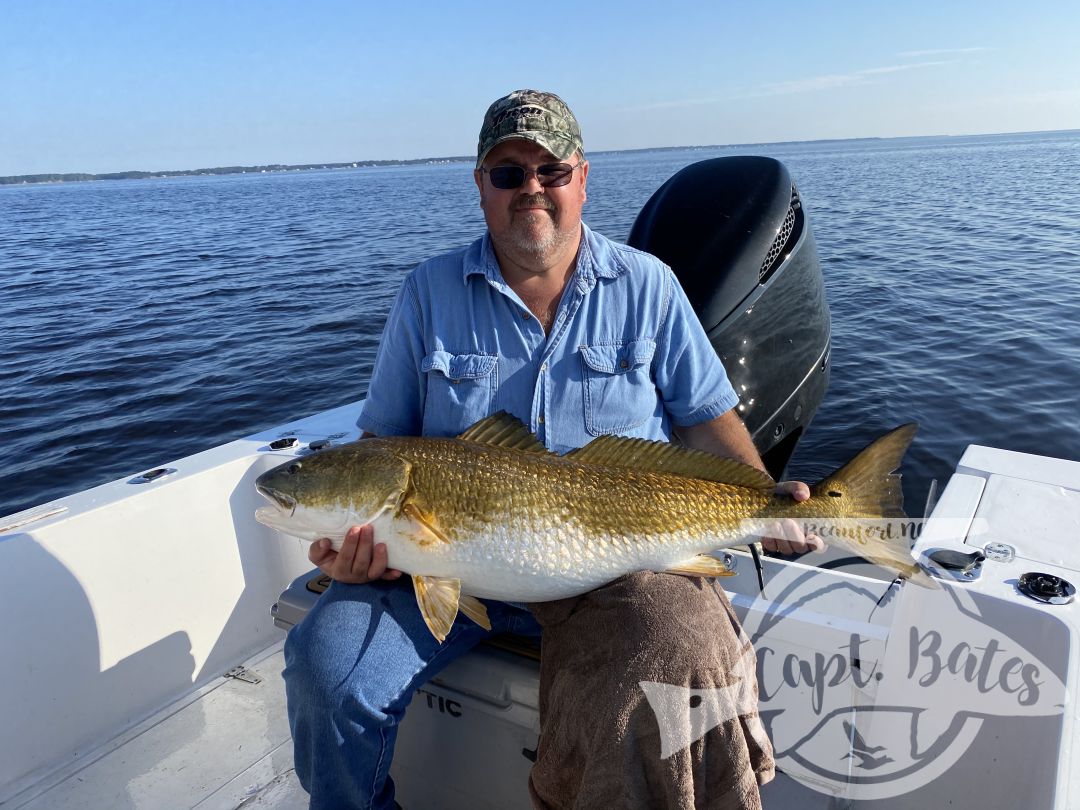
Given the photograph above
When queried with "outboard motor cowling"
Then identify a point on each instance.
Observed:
(736, 235)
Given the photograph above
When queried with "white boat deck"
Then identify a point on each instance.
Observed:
(225, 746)
(112, 696)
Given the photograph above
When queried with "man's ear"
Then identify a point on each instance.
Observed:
(478, 178)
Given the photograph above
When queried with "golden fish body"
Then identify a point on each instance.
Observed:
(493, 514)
(530, 527)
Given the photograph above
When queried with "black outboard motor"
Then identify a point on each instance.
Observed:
(736, 235)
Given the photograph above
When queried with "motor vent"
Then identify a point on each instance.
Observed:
(785, 237)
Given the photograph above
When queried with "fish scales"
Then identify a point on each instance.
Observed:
(572, 504)
(543, 526)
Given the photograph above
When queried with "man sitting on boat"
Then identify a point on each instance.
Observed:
(524, 320)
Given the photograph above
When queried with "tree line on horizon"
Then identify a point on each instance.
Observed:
(274, 167)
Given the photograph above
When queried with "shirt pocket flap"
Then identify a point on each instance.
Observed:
(459, 366)
(619, 358)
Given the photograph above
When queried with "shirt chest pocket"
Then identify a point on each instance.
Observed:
(619, 390)
(460, 390)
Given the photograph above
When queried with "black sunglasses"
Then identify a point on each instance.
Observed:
(549, 176)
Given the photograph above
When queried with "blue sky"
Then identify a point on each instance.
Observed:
(165, 84)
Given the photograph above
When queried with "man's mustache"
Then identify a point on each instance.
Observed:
(536, 201)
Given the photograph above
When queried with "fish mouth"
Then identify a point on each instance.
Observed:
(284, 502)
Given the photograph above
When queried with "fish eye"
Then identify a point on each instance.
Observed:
(832, 493)
(293, 468)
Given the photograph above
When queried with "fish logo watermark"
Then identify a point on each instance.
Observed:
(870, 689)
(685, 715)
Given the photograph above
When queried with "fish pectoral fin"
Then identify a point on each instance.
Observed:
(702, 566)
(475, 610)
(438, 599)
(427, 526)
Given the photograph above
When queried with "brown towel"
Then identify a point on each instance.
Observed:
(600, 742)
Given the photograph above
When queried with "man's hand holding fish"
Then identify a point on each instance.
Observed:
(360, 560)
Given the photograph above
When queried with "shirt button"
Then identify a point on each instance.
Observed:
(540, 419)
(543, 367)
(525, 315)
(623, 364)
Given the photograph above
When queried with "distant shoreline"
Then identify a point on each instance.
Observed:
(35, 179)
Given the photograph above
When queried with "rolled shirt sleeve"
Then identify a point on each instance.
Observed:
(688, 373)
(395, 397)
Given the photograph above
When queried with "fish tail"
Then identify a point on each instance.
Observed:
(866, 486)
(867, 489)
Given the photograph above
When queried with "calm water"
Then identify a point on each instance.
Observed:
(147, 320)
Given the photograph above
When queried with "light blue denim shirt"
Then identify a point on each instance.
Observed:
(626, 354)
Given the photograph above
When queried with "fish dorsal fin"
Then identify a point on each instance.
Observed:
(503, 430)
(671, 459)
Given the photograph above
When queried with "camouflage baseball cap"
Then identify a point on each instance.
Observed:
(542, 118)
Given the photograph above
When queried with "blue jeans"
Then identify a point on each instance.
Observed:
(351, 668)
